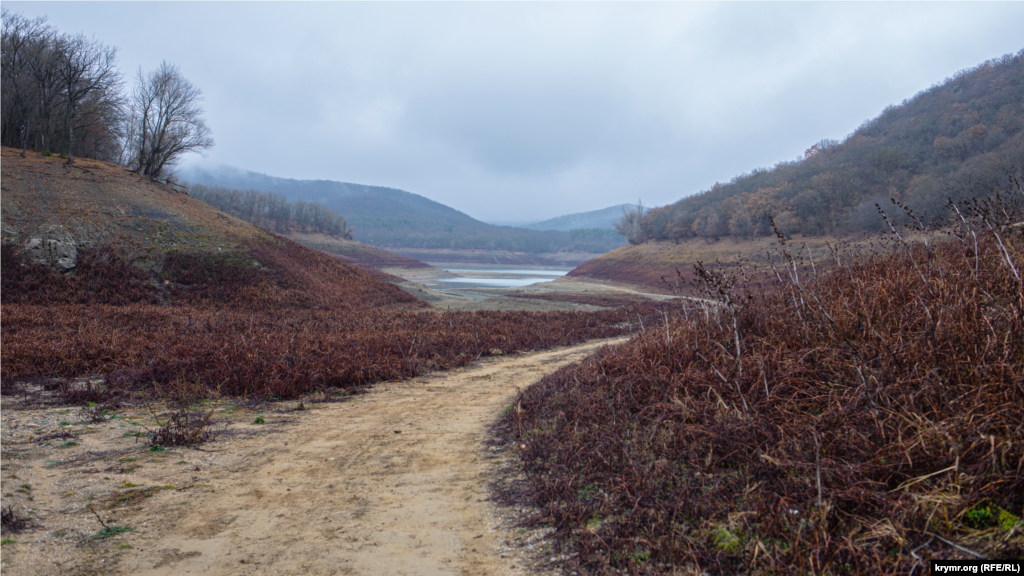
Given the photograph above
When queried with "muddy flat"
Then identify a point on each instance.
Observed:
(394, 481)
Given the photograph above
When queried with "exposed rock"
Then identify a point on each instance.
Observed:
(52, 245)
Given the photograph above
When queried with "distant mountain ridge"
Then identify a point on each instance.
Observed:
(360, 200)
(604, 218)
(391, 218)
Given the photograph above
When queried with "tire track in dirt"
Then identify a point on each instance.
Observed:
(393, 482)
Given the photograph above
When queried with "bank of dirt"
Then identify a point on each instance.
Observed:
(394, 481)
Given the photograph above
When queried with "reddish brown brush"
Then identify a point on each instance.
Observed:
(11, 521)
(857, 423)
(195, 352)
(607, 301)
(274, 274)
(101, 277)
(184, 428)
(270, 274)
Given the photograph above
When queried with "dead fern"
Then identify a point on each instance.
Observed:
(184, 429)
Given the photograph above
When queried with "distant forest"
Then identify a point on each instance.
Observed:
(422, 233)
(272, 210)
(958, 140)
(392, 218)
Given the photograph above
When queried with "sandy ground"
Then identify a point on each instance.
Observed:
(394, 481)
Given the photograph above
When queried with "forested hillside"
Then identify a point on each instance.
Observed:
(959, 139)
(272, 210)
(392, 218)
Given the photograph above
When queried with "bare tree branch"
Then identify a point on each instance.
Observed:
(166, 121)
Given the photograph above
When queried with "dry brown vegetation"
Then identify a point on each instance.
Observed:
(356, 253)
(860, 421)
(606, 301)
(188, 352)
(654, 265)
(271, 274)
(262, 317)
(220, 325)
(172, 297)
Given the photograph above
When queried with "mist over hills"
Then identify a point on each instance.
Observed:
(360, 200)
(604, 218)
(392, 218)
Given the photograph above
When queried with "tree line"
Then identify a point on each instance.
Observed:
(438, 234)
(957, 140)
(273, 211)
(63, 93)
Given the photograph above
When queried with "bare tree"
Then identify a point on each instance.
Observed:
(254, 207)
(59, 92)
(272, 210)
(166, 121)
(85, 68)
(43, 61)
(21, 38)
(279, 211)
(320, 216)
(302, 214)
(630, 223)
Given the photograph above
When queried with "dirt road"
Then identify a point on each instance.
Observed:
(392, 482)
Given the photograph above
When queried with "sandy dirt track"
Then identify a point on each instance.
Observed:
(393, 482)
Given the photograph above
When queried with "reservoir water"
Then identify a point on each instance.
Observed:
(495, 278)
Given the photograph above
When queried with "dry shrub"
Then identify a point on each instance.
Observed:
(273, 274)
(58, 435)
(607, 301)
(86, 394)
(267, 274)
(859, 422)
(99, 414)
(185, 428)
(281, 353)
(102, 276)
(11, 522)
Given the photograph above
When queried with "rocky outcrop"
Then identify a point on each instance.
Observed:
(52, 245)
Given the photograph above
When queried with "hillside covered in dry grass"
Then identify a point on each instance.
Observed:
(135, 240)
(657, 266)
(859, 416)
(110, 276)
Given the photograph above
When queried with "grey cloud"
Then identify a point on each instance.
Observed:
(518, 111)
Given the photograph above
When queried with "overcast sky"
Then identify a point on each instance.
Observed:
(517, 112)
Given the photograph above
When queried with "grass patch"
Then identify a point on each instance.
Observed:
(108, 531)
